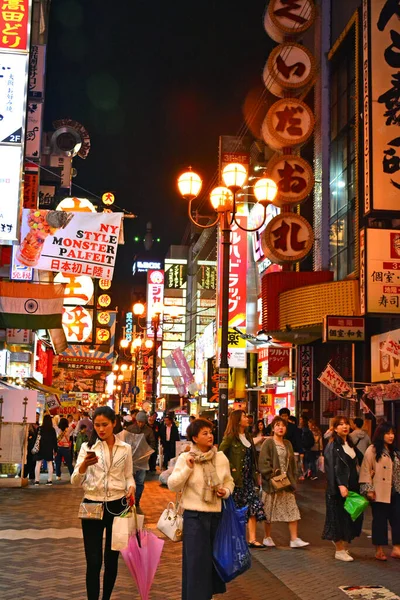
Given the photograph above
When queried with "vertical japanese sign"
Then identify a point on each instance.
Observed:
(381, 58)
(382, 271)
(15, 18)
(155, 295)
(305, 371)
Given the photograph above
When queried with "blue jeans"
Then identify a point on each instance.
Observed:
(67, 454)
(139, 477)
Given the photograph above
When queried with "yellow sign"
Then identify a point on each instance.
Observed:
(105, 284)
(104, 300)
(102, 335)
(103, 318)
(108, 198)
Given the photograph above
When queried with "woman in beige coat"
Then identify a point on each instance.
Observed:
(380, 483)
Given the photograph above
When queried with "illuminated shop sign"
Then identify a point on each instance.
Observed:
(142, 266)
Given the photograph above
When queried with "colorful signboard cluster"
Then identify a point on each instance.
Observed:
(15, 16)
(289, 123)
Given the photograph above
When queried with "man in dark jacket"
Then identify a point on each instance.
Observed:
(169, 434)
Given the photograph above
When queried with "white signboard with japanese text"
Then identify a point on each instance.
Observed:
(13, 78)
(19, 272)
(383, 271)
(78, 243)
(36, 72)
(384, 365)
(155, 296)
(10, 176)
(381, 60)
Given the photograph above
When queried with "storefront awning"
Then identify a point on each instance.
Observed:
(297, 336)
(33, 384)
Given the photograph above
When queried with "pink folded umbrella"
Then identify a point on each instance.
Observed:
(142, 556)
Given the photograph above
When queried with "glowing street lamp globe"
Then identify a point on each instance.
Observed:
(221, 199)
(265, 190)
(137, 342)
(189, 185)
(234, 175)
(148, 344)
(138, 309)
(124, 343)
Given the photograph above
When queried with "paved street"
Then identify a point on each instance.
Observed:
(41, 552)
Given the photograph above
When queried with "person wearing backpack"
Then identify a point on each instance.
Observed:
(359, 437)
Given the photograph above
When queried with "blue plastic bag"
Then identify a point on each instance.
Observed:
(231, 553)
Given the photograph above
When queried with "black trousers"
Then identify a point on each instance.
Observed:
(382, 513)
(200, 580)
(93, 540)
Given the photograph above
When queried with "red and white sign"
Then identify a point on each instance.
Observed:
(289, 18)
(19, 336)
(382, 271)
(14, 25)
(80, 243)
(391, 347)
(237, 275)
(287, 238)
(155, 295)
(290, 68)
(334, 382)
(344, 329)
(385, 355)
(289, 123)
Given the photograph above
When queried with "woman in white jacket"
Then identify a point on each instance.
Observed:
(104, 469)
(204, 476)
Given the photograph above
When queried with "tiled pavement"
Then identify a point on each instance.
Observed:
(54, 568)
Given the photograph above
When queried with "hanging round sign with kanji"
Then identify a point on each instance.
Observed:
(105, 284)
(288, 18)
(290, 67)
(102, 335)
(293, 176)
(103, 317)
(289, 123)
(78, 289)
(108, 198)
(287, 238)
(104, 300)
(76, 205)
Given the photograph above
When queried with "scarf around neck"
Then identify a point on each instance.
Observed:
(211, 479)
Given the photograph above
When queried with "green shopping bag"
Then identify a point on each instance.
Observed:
(355, 505)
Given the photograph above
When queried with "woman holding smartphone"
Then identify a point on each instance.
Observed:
(104, 470)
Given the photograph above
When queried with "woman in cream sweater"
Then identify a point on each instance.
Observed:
(204, 477)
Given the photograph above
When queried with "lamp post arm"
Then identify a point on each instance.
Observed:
(213, 224)
(255, 228)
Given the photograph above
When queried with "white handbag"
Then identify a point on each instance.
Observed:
(123, 527)
(171, 522)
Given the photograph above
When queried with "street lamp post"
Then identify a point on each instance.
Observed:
(224, 202)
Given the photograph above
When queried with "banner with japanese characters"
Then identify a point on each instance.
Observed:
(10, 178)
(79, 243)
(331, 379)
(381, 118)
(15, 19)
(13, 76)
(382, 275)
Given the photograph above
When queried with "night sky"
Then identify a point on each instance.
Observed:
(155, 83)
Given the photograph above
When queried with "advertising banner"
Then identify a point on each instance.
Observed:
(31, 187)
(344, 329)
(385, 356)
(15, 17)
(10, 176)
(381, 105)
(155, 295)
(382, 271)
(36, 72)
(13, 75)
(331, 379)
(33, 130)
(70, 242)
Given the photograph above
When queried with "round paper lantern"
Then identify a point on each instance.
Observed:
(287, 238)
(293, 176)
(290, 67)
(288, 124)
(77, 323)
(78, 290)
(76, 205)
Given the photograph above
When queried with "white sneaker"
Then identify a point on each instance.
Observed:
(58, 478)
(298, 543)
(343, 555)
(268, 542)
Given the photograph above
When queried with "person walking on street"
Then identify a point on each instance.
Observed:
(153, 422)
(359, 437)
(169, 435)
(341, 463)
(47, 449)
(29, 467)
(104, 470)
(380, 483)
(204, 476)
(315, 452)
(259, 434)
(64, 447)
(140, 427)
(238, 447)
(307, 442)
(276, 458)
(87, 421)
(81, 438)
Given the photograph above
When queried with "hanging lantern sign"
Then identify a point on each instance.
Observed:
(78, 290)
(102, 335)
(108, 198)
(287, 238)
(103, 317)
(77, 323)
(290, 67)
(104, 300)
(76, 205)
(293, 176)
(105, 284)
(288, 18)
(289, 123)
